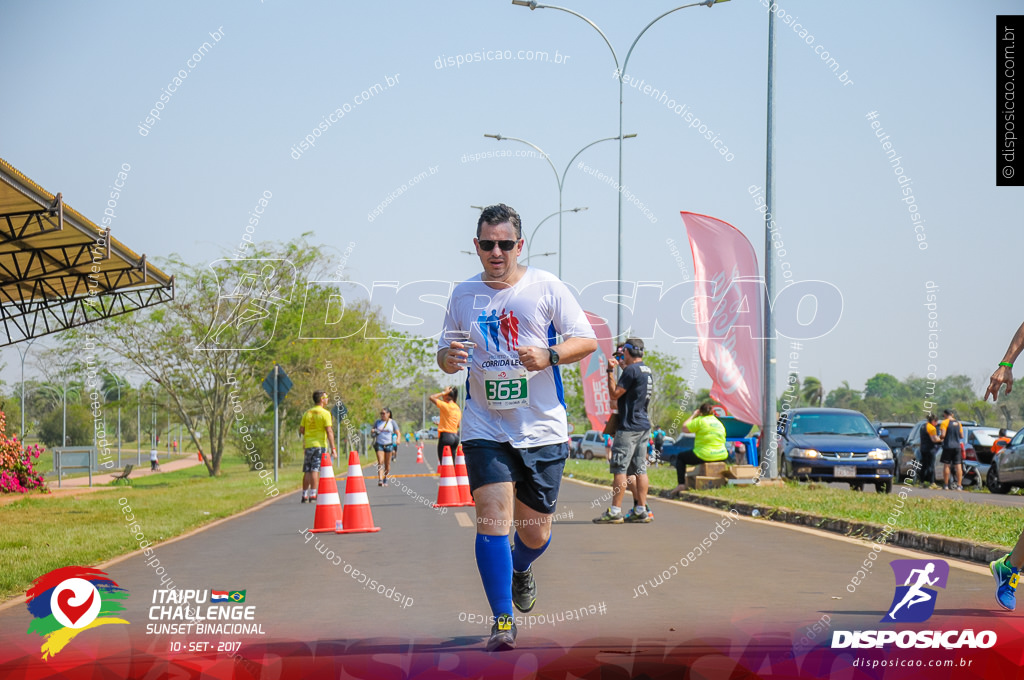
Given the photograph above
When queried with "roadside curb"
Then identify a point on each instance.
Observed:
(980, 553)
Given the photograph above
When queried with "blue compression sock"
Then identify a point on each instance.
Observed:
(494, 560)
(523, 557)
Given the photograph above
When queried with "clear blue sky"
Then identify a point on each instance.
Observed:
(81, 78)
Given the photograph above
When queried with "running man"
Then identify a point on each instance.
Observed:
(1006, 569)
(317, 432)
(915, 595)
(514, 427)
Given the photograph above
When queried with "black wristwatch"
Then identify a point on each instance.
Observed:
(552, 356)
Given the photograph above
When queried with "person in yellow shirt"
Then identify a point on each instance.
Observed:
(447, 402)
(708, 446)
(316, 432)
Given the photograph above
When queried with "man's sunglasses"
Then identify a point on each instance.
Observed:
(488, 246)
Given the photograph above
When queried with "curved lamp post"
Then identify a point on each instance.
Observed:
(621, 71)
(560, 179)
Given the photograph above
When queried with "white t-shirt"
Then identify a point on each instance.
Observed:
(504, 402)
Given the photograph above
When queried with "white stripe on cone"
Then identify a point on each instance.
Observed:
(355, 471)
(448, 481)
(357, 498)
(328, 499)
(326, 475)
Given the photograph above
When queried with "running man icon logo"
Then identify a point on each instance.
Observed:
(914, 601)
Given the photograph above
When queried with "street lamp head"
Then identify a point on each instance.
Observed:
(525, 3)
(629, 136)
(708, 3)
(498, 137)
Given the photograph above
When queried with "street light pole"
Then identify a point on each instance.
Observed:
(769, 437)
(23, 354)
(529, 242)
(560, 179)
(621, 72)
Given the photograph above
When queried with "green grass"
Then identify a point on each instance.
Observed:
(977, 522)
(38, 534)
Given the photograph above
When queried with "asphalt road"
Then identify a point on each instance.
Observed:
(756, 577)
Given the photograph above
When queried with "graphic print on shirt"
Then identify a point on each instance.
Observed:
(510, 330)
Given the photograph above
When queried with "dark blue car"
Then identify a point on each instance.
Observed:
(834, 445)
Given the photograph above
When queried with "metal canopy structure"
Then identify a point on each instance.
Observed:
(58, 270)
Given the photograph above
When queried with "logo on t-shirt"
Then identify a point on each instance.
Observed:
(495, 327)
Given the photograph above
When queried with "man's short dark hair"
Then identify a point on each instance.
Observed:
(454, 393)
(947, 412)
(706, 408)
(317, 396)
(931, 418)
(499, 214)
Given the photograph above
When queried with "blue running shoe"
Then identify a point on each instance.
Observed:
(1006, 583)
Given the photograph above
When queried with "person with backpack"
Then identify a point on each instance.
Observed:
(952, 435)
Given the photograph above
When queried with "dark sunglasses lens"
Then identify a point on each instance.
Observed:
(488, 246)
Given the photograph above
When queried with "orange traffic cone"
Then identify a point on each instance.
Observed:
(448, 490)
(328, 506)
(357, 517)
(462, 477)
(419, 453)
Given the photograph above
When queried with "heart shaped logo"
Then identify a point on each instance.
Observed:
(75, 603)
(73, 612)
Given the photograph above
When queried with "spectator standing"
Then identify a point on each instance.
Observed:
(316, 430)
(633, 392)
(952, 435)
(447, 402)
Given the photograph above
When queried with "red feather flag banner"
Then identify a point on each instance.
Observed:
(727, 306)
(594, 377)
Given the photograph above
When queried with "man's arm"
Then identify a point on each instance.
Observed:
(1004, 374)
(330, 438)
(614, 389)
(569, 351)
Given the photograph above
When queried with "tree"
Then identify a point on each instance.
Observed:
(199, 347)
(669, 388)
(843, 397)
(79, 426)
(210, 350)
(812, 391)
(884, 386)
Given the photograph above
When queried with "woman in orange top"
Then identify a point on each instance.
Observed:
(447, 402)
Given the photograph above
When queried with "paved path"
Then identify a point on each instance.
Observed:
(755, 578)
(76, 486)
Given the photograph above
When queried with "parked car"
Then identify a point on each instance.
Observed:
(973, 474)
(981, 439)
(834, 445)
(670, 451)
(894, 434)
(1007, 468)
(574, 446)
(592, 445)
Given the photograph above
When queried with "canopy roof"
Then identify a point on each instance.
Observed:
(58, 270)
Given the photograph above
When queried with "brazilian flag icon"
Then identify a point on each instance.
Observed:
(237, 596)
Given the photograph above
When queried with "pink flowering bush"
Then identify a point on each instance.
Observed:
(17, 473)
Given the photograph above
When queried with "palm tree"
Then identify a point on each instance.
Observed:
(812, 391)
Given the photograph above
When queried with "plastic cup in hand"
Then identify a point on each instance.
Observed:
(468, 347)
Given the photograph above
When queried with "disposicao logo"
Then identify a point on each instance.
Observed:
(70, 600)
(914, 602)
